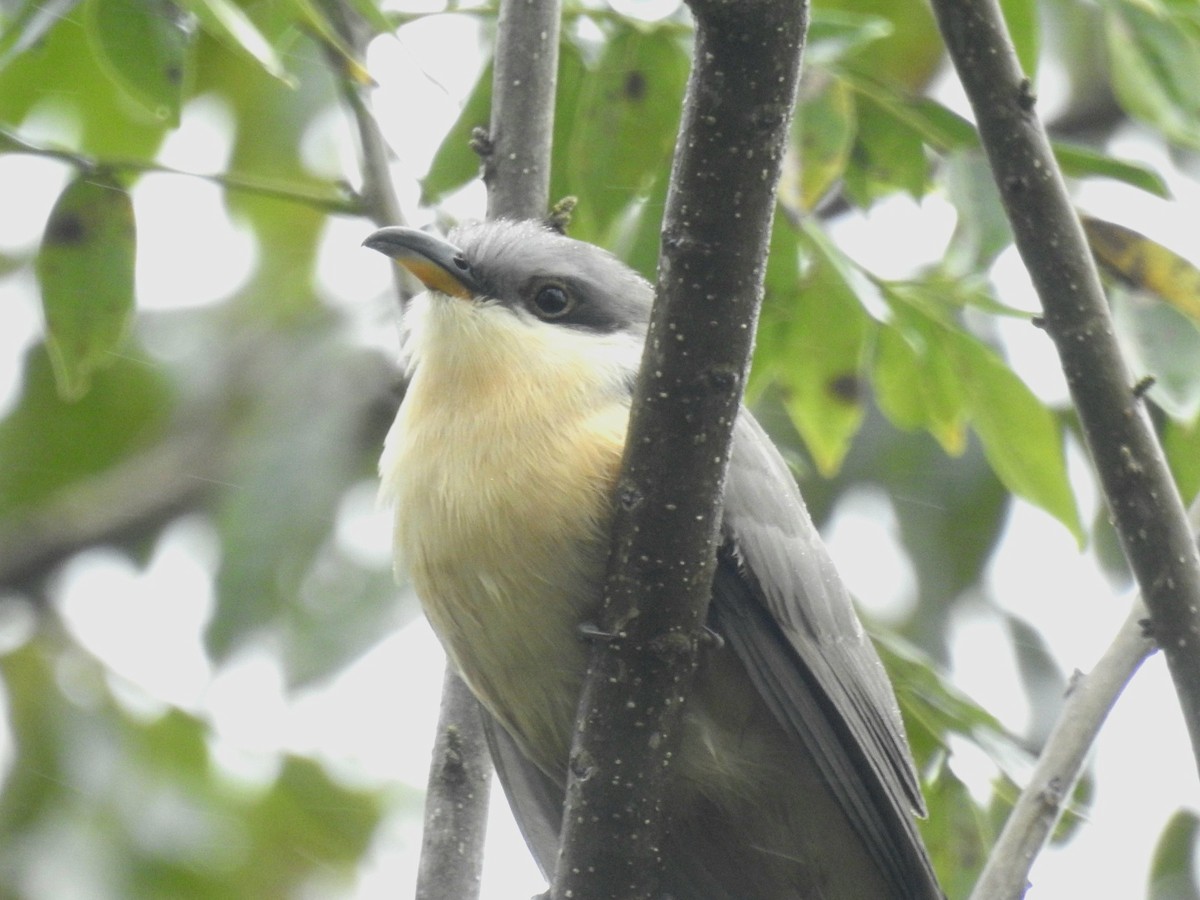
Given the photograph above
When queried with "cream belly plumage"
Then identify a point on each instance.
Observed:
(502, 508)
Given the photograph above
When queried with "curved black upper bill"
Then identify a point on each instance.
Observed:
(437, 263)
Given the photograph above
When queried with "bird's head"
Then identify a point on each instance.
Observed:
(516, 296)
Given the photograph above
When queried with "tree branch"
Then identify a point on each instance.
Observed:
(1137, 484)
(716, 229)
(517, 173)
(456, 799)
(1087, 705)
(516, 166)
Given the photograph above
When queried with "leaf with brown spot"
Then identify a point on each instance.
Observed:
(85, 267)
(624, 125)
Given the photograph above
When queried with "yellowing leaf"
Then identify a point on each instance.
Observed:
(1134, 259)
(85, 267)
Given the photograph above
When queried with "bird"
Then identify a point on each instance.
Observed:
(794, 778)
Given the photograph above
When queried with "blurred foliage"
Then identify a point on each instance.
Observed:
(261, 413)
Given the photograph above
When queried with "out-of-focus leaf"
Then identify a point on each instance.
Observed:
(62, 66)
(915, 383)
(1156, 67)
(888, 156)
(1021, 17)
(909, 55)
(371, 14)
(30, 24)
(981, 231)
(313, 18)
(85, 268)
(47, 443)
(341, 610)
(1160, 342)
(1082, 162)
(314, 817)
(1173, 868)
(143, 795)
(290, 469)
(934, 709)
(639, 247)
(958, 833)
(454, 162)
(145, 46)
(946, 131)
(625, 123)
(1041, 677)
(836, 33)
(1021, 437)
(1143, 264)
(226, 22)
(1182, 445)
(812, 340)
(822, 138)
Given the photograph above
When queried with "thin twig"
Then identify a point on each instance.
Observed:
(1087, 705)
(457, 792)
(344, 205)
(1138, 487)
(1091, 698)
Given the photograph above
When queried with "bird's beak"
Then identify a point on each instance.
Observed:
(438, 264)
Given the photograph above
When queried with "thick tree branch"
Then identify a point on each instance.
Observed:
(1141, 495)
(716, 230)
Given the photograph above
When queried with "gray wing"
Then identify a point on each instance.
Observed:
(778, 600)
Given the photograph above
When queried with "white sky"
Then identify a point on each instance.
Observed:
(1143, 765)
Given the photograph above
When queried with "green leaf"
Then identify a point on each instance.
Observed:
(290, 473)
(1081, 162)
(1156, 67)
(85, 267)
(911, 52)
(1021, 438)
(226, 22)
(834, 34)
(48, 444)
(822, 138)
(888, 156)
(625, 124)
(1162, 343)
(946, 131)
(62, 68)
(812, 340)
(30, 25)
(981, 231)
(1172, 870)
(916, 385)
(957, 832)
(145, 47)
(1021, 17)
(1181, 442)
(455, 163)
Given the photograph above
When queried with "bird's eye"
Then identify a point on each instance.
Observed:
(552, 301)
